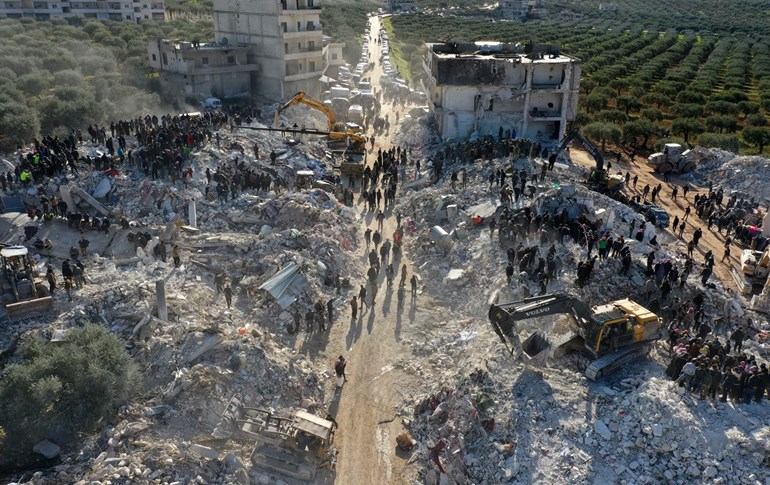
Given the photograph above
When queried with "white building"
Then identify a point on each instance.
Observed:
(522, 9)
(479, 88)
(332, 57)
(134, 10)
(285, 40)
(204, 70)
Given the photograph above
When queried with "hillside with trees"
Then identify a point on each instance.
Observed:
(650, 75)
(73, 73)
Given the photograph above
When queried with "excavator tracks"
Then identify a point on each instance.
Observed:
(602, 365)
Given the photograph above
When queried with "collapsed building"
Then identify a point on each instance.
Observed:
(489, 88)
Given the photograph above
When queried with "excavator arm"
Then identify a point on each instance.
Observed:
(504, 317)
(587, 144)
(310, 101)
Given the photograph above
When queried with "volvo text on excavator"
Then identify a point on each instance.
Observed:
(598, 179)
(337, 131)
(612, 334)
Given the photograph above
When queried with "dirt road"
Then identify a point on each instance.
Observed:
(711, 240)
(377, 385)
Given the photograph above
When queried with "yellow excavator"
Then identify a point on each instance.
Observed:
(337, 131)
(611, 334)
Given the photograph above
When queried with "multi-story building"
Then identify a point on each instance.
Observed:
(202, 70)
(481, 87)
(522, 9)
(332, 57)
(134, 10)
(402, 5)
(285, 39)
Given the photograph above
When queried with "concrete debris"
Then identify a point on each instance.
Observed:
(47, 449)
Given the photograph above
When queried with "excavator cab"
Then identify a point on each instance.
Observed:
(24, 295)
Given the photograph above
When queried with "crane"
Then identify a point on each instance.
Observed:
(612, 334)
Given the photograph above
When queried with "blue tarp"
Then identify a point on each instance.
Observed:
(286, 285)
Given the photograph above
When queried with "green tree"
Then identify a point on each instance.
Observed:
(759, 136)
(638, 132)
(687, 127)
(63, 388)
(18, 125)
(748, 107)
(690, 97)
(652, 114)
(722, 123)
(717, 140)
(658, 100)
(687, 110)
(619, 85)
(722, 107)
(604, 133)
(628, 103)
(612, 116)
(756, 119)
(595, 102)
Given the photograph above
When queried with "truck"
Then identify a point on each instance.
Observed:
(672, 159)
(611, 334)
(652, 213)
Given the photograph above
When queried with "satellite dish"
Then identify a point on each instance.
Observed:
(224, 41)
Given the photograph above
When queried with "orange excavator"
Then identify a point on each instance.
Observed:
(337, 130)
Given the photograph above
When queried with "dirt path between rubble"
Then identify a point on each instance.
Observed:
(711, 240)
(376, 386)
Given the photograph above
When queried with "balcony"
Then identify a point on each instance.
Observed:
(301, 34)
(303, 75)
(223, 69)
(544, 115)
(546, 86)
(303, 54)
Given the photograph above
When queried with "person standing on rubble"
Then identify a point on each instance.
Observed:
(228, 295)
(368, 236)
(297, 319)
(413, 282)
(380, 220)
(175, 256)
(68, 287)
(83, 244)
(51, 277)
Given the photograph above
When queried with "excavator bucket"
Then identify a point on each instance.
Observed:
(535, 349)
(29, 308)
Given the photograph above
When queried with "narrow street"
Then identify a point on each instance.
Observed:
(372, 345)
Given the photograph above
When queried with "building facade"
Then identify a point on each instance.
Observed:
(476, 89)
(285, 40)
(332, 58)
(133, 10)
(202, 70)
(522, 9)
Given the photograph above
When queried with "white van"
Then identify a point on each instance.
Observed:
(211, 103)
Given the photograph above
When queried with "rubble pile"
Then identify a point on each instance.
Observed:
(417, 130)
(514, 426)
(204, 352)
(733, 173)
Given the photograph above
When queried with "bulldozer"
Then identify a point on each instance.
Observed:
(672, 159)
(611, 334)
(755, 267)
(24, 294)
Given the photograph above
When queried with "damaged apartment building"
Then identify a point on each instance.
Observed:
(476, 89)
